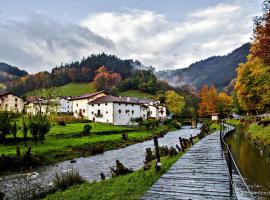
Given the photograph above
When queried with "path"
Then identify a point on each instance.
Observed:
(200, 174)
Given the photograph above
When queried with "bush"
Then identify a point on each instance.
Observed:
(64, 180)
(61, 123)
(86, 129)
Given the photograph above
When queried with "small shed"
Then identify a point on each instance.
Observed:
(215, 116)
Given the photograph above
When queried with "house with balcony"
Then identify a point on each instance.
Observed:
(10, 102)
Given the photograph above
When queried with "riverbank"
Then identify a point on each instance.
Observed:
(127, 187)
(67, 142)
(257, 131)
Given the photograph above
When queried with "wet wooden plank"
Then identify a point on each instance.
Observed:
(200, 174)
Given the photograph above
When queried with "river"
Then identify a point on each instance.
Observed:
(253, 164)
(91, 167)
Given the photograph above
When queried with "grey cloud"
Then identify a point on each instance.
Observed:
(40, 43)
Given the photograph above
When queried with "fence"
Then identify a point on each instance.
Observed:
(234, 173)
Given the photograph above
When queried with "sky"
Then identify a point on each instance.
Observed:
(38, 35)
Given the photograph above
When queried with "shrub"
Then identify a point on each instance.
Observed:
(64, 180)
(61, 123)
(86, 129)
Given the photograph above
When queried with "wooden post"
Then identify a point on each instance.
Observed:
(158, 164)
(179, 149)
(181, 144)
(191, 141)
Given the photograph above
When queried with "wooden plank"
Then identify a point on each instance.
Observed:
(200, 174)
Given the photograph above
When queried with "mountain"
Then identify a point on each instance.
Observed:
(216, 70)
(8, 72)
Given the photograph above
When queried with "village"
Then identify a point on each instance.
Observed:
(96, 107)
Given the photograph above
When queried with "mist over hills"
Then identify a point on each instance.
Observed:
(215, 70)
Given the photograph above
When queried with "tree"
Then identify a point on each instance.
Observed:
(224, 104)
(174, 102)
(6, 125)
(235, 103)
(208, 101)
(105, 80)
(24, 130)
(261, 44)
(253, 85)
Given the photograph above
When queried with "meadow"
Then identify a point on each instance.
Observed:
(68, 142)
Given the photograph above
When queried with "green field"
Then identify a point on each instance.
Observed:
(128, 187)
(71, 89)
(63, 142)
(77, 89)
(136, 93)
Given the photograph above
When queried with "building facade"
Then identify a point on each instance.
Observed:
(114, 110)
(80, 103)
(10, 102)
(65, 105)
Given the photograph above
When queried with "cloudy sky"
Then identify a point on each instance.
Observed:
(38, 35)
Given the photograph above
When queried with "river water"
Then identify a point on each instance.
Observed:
(91, 167)
(253, 164)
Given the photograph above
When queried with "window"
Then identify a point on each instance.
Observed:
(98, 104)
(68, 107)
(119, 104)
(106, 104)
(77, 105)
(83, 110)
(98, 113)
(132, 112)
(92, 105)
(16, 105)
(132, 104)
(2, 98)
(92, 112)
(106, 112)
(126, 104)
(16, 99)
(119, 111)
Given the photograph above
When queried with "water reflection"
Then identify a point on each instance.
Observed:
(252, 163)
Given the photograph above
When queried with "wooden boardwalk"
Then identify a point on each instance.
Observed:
(200, 174)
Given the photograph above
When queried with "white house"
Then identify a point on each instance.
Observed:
(114, 110)
(80, 103)
(35, 105)
(153, 108)
(10, 102)
(65, 105)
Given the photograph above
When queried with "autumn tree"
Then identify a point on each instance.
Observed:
(174, 102)
(253, 85)
(208, 101)
(253, 77)
(104, 80)
(224, 104)
(261, 44)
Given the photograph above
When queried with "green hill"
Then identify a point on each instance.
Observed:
(77, 89)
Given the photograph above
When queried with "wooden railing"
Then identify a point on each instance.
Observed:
(225, 130)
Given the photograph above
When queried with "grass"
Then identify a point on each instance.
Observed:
(136, 93)
(260, 135)
(77, 89)
(128, 187)
(55, 149)
(71, 89)
(234, 122)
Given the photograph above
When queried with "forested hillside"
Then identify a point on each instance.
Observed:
(8, 72)
(108, 73)
(216, 70)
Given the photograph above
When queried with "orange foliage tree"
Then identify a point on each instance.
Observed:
(261, 44)
(105, 80)
(209, 101)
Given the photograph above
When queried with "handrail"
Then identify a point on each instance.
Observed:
(222, 136)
